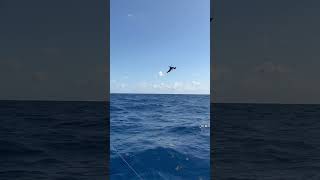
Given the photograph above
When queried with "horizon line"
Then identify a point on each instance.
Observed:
(108, 101)
(158, 93)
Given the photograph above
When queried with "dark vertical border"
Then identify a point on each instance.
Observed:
(108, 86)
(212, 69)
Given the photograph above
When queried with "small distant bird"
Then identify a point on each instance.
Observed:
(170, 68)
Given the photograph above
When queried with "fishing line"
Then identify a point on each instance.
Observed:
(135, 172)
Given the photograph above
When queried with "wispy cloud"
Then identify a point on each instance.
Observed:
(177, 86)
(195, 83)
(130, 15)
(160, 86)
(123, 85)
(161, 73)
(116, 86)
(125, 77)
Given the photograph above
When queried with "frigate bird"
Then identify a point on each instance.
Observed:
(170, 68)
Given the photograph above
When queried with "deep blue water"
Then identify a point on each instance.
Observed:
(53, 140)
(266, 142)
(160, 137)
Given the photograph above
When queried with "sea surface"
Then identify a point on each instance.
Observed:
(159, 137)
(265, 142)
(53, 140)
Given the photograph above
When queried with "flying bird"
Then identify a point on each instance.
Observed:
(170, 68)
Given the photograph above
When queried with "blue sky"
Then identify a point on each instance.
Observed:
(146, 36)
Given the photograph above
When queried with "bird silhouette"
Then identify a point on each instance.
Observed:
(170, 68)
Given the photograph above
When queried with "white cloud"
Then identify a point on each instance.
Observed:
(123, 85)
(177, 85)
(161, 73)
(116, 86)
(195, 74)
(195, 83)
(171, 87)
(130, 15)
(143, 84)
(155, 86)
(125, 77)
(161, 86)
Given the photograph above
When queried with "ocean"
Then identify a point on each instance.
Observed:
(265, 142)
(53, 140)
(159, 137)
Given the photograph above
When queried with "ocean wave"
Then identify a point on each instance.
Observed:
(156, 127)
(15, 149)
(22, 174)
(53, 140)
(271, 141)
(158, 163)
(184, 130)
(143, 106)
(46, 162)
